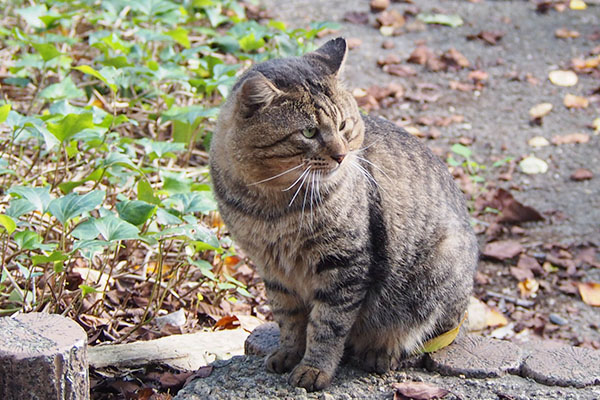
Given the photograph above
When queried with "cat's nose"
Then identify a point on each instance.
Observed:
(338, 157)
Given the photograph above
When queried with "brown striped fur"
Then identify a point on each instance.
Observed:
(359, 232)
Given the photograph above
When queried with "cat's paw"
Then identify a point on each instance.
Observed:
(378, 361)
(310, 378)
(282, 360)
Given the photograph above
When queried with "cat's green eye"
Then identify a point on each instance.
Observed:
(309, 132)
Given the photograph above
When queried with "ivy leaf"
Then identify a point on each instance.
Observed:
(38, 197)
(4, 110)
(65, 89)
(86, 69)
(176, 182)
(72, 205)
(32, 15)
(156, 149)
(135, 212)
(54, 257)
(48, 51)
(146, 193)
(113, 228)
(8, 223)
(70, 125)
(180, 35)
(28, 240)
(461, 150)
(203, 202)
(85, 290)
(19, 207)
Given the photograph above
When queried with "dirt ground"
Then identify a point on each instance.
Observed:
(485, 105)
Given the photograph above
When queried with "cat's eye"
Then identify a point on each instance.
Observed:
(309, 132)
(342, 126)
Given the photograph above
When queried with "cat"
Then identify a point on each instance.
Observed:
(358, 231)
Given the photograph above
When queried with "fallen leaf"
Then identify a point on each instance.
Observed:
(538, 141)
(391, 18)
(443, 340)
(353, 43)
(521, 273)
(461, 86)
(379, 5)
(572, 101)
(531, 264)
(563, 77)
(227, 322)
(512, 211)
(528, 287)
(478, 75)
(502, 249)
(571, 138)
(452, 20)
(495, 318)
(399, 70)
(489, 37)
(357, 17)
(388, 44)
(596, 125)
(420, 55)
(540, 110)
(532, 165)
(454, 57)
(582, 174)
(202, 372)
(564, 33)
(577, 5)
(418, 391)
(590, 293)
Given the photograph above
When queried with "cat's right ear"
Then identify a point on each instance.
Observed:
(257, 92)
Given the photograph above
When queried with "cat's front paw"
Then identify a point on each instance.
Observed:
(310, 378)
(282, 360)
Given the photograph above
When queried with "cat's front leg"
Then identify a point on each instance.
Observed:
(291, 315)
(334, 311)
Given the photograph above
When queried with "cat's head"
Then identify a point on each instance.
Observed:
(288, 117)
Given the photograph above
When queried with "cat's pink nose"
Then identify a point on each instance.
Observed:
(339, 158)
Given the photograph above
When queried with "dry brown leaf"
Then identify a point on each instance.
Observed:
(392, 18)
(489, 37)
(502, 249)
(399, 70)
(571, 138)
(357, 17)
(418, 391)
(379, 5)
(521, 274)
(540, 110)
(590, 293)
(582, 174)
(478, 75)
(563, 78)
(565, 33)
(511, 210)
(420, 55)
(572, 101)
(227, 322)
(353, 43)
(454, 57)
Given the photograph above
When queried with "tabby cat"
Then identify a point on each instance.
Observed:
(358, 231)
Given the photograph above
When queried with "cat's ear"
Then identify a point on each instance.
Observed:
(257, 92)
(332, 54)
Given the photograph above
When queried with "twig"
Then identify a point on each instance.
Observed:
(510, 299)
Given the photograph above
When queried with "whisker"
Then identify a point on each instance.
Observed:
(277, 176)
(374, 142)
(365, 173)
(299, 187)
(297, 180)
(374, 166)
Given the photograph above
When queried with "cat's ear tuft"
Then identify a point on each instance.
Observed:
(333, 55)
(257, 92)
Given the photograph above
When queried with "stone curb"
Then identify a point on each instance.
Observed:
(475, 356)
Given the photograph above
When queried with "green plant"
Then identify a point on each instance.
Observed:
(105, 118)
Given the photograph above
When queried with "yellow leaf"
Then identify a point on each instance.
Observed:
(528, 287)
(572, 101)
(563, 77)
(495, 318)
(443, 340)
(596, 125)
(540, 110)
(590, 293)
(577, 5)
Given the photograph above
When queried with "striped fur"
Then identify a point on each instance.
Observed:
(369, 257)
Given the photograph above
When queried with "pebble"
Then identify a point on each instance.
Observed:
(557, 319)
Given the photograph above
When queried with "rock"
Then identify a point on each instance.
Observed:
(476, 357)
(563, 366)
(263, 340)
(43, 356)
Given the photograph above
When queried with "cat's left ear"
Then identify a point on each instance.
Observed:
(332, 55)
